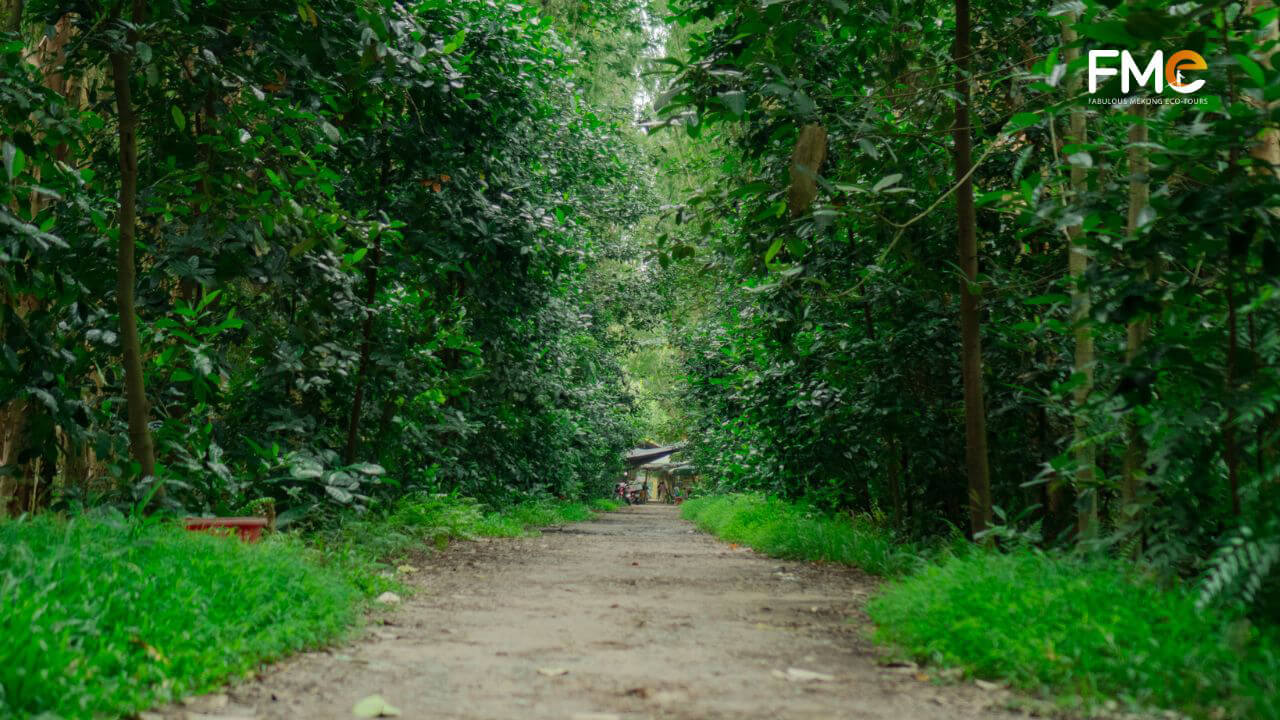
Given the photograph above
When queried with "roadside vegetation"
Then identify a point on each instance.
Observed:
(104, 615)
(801, 532)
(346, 263)
(1079, 631)
(944, 286)
(1083, 632)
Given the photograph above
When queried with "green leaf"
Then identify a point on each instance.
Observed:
(735, 100)
(330, 132)
(773, 250)
(454, 42)
(886, 181)
(179, 119)
(1149, 24)
(13, 159)
(1251, 68)
(1021, 121)
(1110, 31)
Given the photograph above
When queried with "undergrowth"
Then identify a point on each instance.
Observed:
(104, 616)
(791, 530)
(1080, 631)
(365, 548)
(1083, 631)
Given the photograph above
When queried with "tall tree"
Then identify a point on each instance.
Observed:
(975, 423)
(1137, 329)
(140, 444)
(1082, 332)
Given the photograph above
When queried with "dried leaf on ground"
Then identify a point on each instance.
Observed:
(374, 706)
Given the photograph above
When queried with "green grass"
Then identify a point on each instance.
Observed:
(365, 548)
(790, 530)
(98, 618)
(104, 617)
(1080, 632)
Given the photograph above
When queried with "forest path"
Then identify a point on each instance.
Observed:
(650, 619)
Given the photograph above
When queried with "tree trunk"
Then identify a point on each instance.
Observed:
(1137, 330)
(975, 447)
(366, 341)
(11, 415)
(366, 346)
(1082, 332)
(135, 390)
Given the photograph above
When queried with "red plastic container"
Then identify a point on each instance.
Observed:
(248, 529)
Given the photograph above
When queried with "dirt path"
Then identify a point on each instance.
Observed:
(649, 618)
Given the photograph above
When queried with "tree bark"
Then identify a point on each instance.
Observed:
(1081, 301)
(140, 445)
(975, 449)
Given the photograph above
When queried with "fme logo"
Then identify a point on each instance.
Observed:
(1180, 62)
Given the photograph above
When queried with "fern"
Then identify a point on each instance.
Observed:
(1239, 568)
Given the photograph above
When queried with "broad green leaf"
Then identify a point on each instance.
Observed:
(455, 42)
(773, 250)
(1251, 68)
(1021, 121)
(886, 181)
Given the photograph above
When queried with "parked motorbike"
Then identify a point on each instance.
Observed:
(633, 493)
(638, 493)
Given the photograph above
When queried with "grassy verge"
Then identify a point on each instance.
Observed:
(99, 618)
(1080, 632)
(791, 530)
(103, 617)
(365, 549)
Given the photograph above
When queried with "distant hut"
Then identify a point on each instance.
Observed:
(649, 463)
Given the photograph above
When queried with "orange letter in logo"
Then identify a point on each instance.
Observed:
(1184, 60)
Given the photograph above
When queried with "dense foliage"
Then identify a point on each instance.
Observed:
(1125, 276)
(366, 239)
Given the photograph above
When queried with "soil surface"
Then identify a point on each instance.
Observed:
(633, 615)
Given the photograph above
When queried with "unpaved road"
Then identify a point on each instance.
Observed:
(649, 618)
